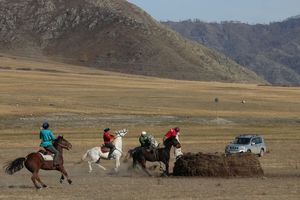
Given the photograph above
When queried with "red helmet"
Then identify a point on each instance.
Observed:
(177, 129)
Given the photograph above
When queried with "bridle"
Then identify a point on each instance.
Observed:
(67, 146)
(117, 135)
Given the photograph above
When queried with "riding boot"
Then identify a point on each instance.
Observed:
(110, 153)
(55, 165)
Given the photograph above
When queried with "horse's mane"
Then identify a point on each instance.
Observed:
(169, 140)
(57, 140)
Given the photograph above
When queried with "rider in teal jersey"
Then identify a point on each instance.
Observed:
(47, 137)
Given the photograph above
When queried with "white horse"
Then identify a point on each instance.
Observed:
(95, 154)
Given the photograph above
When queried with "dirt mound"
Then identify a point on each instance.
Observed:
(218, 165)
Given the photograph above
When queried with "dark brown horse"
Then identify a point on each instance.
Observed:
(34, 162)
(141, 155)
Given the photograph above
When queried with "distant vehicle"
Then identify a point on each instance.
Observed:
(247, 143)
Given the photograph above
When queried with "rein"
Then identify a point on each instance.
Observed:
(117, 135)
(63, 146)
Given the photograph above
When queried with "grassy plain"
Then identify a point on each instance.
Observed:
(79, 102)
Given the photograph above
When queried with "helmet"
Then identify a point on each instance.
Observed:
(106, 129)
(144, 133)
(177, 129)
(45, 125)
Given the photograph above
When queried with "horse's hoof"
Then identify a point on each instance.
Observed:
(45, 186)
(70, 181)
(38, 188)
(164, 175)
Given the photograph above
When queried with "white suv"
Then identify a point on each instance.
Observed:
(247, 143)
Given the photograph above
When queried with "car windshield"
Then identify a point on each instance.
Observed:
(242, 141)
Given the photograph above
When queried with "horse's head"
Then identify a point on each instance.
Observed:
(121, 133)
(172, 141)
(61, 141)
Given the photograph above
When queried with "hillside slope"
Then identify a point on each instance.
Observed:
(272, 51)
(111, 35)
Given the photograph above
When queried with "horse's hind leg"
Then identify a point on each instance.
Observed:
(34, 178)
(143, 164)
(90, 166)
(101, 166)
(39, 180)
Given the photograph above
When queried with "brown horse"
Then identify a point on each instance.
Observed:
(141, 155)
(34, 162)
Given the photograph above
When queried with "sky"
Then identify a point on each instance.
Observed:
(247, 11)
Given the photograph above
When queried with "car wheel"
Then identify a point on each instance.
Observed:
(261, 153)
(248, 151)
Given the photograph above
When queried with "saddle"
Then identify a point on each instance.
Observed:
(47, 155)
(149, 149)
(104, 149)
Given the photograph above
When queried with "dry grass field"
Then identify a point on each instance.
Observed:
(79, 102)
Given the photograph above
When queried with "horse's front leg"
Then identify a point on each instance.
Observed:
(166, 171)
(61, 178)
(117, 164)
(62, 169)
(167, 168)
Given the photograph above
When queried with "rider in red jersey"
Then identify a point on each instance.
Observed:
(108, 138)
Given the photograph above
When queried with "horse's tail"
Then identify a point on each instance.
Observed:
(15, 165)
(128, 155)
(130, 152)
(83, 157)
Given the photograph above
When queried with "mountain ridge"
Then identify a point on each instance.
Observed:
(272, 51)
(110, 35)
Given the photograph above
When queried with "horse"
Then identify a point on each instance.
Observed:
(141, 155)
(96, 153)
(35, 161)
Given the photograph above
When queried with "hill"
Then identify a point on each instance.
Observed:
(272, 51)
(79, 102)
(110, 35)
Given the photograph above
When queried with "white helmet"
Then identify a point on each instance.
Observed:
(144, 133)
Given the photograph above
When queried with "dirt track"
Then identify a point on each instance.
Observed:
(129, 184)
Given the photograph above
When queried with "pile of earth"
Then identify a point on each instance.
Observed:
(218, 165)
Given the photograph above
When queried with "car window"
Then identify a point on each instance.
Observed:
(256, 140)
(259, 140)
(242, 141)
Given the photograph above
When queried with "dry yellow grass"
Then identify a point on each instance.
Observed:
(79, 102)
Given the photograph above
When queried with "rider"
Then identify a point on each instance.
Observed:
(145, 140)
(174, 132)
(171, 133)
(108, 138)
(47, 137)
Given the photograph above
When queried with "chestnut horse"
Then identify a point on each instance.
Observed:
(141, 155)
(34, 162)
